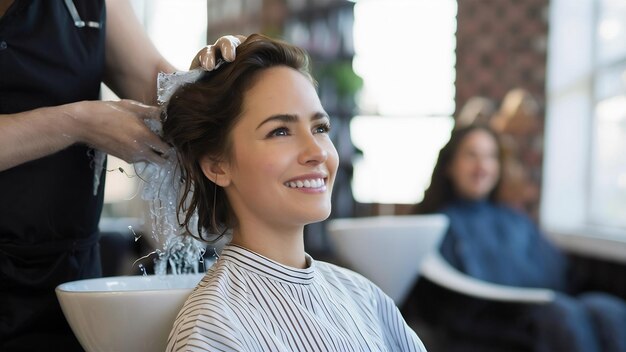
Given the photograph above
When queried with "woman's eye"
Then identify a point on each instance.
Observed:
(323, 128)
(279, 132)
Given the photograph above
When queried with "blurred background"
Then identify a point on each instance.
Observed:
(396, 75)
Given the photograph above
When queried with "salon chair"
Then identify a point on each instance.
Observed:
(401, 255)
(441, 285)
(388, 250)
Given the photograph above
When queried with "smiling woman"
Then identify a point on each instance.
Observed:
(256, 158)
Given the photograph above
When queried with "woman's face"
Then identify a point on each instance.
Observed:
(475, 167)
(283, 163)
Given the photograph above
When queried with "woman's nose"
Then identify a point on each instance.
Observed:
(313, 150)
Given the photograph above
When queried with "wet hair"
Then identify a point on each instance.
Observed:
(200, 117)
(442, 190)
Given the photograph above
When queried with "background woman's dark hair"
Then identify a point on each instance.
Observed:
(441, 189)
(200, 117)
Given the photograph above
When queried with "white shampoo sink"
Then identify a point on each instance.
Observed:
(125, 313)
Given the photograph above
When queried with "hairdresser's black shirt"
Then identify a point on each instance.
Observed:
(48, 212)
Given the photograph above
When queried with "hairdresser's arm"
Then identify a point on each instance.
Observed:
(116, 128)
(132, 60)
(34, 134)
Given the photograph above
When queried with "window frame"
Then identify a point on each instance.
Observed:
(570, 133)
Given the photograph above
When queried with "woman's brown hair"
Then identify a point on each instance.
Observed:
(441, 190)
(200, 117)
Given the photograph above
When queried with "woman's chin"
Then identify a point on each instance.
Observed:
(318, 216)
(475, 195)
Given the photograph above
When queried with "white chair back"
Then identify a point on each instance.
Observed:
(388, 250)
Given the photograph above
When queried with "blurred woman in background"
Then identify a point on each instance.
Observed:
(493, 242)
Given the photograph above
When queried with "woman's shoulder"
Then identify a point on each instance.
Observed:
(462, 207)
(511, 213)
(218, 282)
(212, 312)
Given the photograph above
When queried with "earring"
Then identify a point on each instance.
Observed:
(216, 229)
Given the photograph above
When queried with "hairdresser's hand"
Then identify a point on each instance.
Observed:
(118, 128)
(224, 47)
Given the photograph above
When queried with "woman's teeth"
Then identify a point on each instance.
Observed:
(313, 183)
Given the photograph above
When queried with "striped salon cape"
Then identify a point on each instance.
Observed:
(247, 302)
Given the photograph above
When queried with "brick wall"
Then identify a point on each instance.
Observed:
(501, 45)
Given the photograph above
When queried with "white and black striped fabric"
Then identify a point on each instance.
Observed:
(247, 302)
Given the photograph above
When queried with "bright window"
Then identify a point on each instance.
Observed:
(585, 156)
(405, 53)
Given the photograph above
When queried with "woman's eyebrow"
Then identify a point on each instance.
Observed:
(279, 117)
(291, 118)
(319, 116)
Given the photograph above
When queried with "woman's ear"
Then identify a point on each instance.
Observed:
(216, 171)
